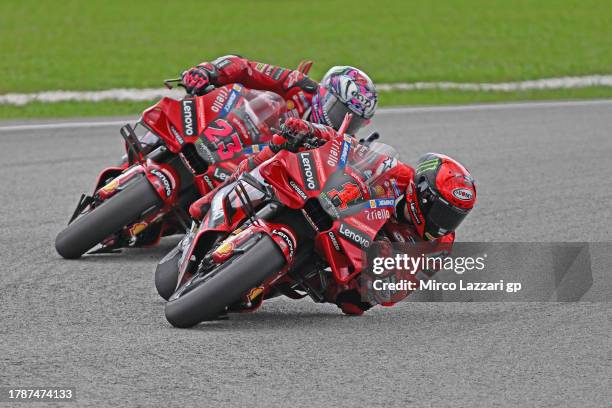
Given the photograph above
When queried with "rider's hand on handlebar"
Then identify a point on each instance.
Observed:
(298, 133)
(296, 128)
(195, 80)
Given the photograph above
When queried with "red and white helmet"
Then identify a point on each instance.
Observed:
(344, 90)
(441, 196)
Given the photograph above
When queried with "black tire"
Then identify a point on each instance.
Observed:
(166, 273)
(122, 209)
(210, 299)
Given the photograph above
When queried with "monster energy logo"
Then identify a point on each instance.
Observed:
(428, 165)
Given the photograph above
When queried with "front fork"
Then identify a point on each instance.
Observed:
(163, 178)
(237, 244)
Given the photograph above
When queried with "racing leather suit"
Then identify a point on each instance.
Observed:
(292, 85)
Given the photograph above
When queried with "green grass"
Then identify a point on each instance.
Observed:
(83, 45)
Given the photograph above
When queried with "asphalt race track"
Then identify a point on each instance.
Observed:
(97, 324)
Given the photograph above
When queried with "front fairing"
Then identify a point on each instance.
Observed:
(224, 123)
(351, 184)
(241, 124)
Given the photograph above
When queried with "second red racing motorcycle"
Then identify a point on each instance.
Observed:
(288, 228)
(178, 151)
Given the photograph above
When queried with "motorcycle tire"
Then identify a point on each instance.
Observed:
(122, 209)
(166, 274)
(227, 285)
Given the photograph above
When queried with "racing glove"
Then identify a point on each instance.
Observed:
(195, 80)
(298, 130)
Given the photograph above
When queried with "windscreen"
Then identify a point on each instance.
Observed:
(361, 181)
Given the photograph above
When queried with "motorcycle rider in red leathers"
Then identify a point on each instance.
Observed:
(438, 195)
(342, 90)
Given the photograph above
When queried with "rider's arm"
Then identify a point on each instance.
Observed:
(256, 75)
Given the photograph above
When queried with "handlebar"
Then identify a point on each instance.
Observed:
(170, 83)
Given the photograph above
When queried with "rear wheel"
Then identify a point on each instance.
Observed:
(224, 285)
(122, 209)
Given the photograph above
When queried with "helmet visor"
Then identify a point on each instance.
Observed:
(334, 111)
(443, 218)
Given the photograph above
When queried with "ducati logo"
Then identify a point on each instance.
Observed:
(343, 196)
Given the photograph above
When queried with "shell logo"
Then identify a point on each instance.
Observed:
(111, 186)
(138, 228)
(379, 191)
(224, 249)
(290, 105)
(254, 293)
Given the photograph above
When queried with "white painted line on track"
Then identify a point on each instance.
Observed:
(62, 125)
(585, 81)
(134, 94)
(404, 110)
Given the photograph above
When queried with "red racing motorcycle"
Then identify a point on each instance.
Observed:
(178, 151)
(290, 227)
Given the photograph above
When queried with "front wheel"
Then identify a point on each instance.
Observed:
(122, 209)
(167, 272)
(224, 285)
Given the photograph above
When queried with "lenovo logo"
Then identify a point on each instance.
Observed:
(311, 180)
(190, 121)
(354, 235)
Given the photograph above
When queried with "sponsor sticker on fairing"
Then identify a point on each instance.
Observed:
(354, 235)
(190, 121)
(256, 148)
(288, 241)
(344, 152)
(309, 172)
(208, 181)
(221, 174)
(298, 190)
(231, 101)
(381, 203)
(205, 152)
(176, 135)
(377, 214)
(334, 240)
(164, 180)
(219, 101)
